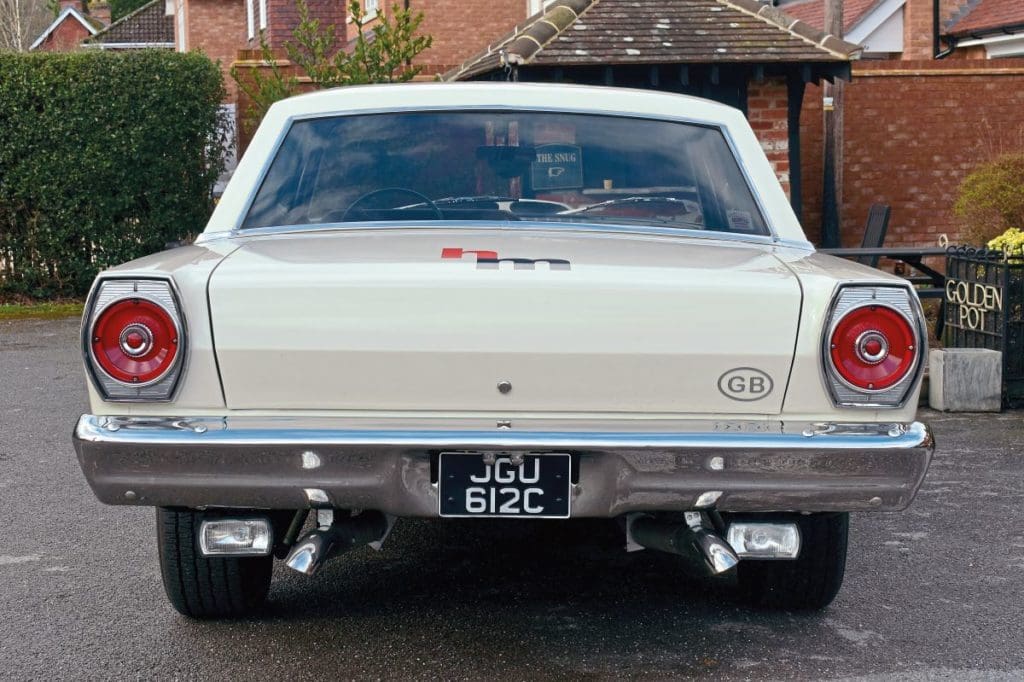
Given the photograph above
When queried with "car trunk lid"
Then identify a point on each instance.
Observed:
(503, 321)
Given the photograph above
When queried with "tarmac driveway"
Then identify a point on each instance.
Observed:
(936, 591)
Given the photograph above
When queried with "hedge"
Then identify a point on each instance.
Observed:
(104, 157)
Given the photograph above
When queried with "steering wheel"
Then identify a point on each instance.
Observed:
(401, 190)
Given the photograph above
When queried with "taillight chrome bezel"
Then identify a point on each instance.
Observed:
(900, 299)
(160, 291)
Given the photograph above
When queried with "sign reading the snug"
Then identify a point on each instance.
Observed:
(557, 166)
(974, 301)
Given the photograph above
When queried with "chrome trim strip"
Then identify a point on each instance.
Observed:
(219, 431)
(286, 128)
(536, 225)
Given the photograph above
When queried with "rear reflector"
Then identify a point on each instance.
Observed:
(873, 347)
(135, 341)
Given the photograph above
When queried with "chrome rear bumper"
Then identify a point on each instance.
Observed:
(251, 462)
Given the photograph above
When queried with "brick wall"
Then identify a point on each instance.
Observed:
(218, 28)
(767, 113)
(283, 17)
(913, 131)
(461, 29)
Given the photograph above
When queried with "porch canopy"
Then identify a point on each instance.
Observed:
(709, 48)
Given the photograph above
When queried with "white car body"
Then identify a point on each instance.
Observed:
(688, 369)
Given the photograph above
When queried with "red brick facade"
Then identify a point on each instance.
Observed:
(283, 17)
(65, 37)
(913, 131)
(917, 29)
(218, 29)
(461, 29)
(70, 32)
(767, 113)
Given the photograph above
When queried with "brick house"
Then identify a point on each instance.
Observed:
(928, 100)
(72, 25)
(926, 105)
(223, 28)
(740, 52)
(907, 29)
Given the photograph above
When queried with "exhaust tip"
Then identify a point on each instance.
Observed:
(302, 558)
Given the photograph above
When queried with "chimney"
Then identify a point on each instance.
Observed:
(101, 11)
(77, 4)
(917, 29)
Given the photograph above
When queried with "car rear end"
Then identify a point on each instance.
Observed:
(728, 395)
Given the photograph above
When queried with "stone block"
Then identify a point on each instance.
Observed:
(965, 380)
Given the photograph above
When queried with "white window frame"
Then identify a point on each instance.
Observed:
(250, 19)
(371, 8)
(534, 6)
(263, 15)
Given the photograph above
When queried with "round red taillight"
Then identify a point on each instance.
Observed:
(873, 347)
(134, 341)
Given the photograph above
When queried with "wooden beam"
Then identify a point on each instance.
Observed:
(832, 191)
(795, 90)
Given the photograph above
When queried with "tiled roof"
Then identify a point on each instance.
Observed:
(146, 25)
(990, 15)
(607, 32)
(813, 11)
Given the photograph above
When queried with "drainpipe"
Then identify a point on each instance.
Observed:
(937, 50)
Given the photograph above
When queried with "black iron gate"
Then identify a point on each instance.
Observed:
(984, 308)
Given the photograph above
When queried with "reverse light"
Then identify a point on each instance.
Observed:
(764, 540)
(873, 346)
(134, 339)
(235, 537)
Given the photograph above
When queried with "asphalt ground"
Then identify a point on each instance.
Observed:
(936, 591)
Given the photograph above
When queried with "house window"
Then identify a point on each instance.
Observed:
(372, 6)
(263, 15)
(250, 21)
(537, 5)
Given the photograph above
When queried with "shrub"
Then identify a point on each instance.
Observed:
(383, 54)
(1010, 242)
(103, 158)
(991, 199)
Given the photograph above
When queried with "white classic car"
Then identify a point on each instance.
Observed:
(502, 300)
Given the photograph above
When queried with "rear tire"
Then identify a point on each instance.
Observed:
(203, 587)
(809, 582)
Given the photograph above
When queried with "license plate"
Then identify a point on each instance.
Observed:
(538, 488)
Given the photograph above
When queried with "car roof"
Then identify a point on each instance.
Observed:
(557, 96)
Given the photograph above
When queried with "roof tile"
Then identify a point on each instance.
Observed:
(148, 24)
(990, 15)
(606, 32)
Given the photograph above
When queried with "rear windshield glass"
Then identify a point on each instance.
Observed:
(505, 166)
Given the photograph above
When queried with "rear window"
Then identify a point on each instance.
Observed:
(505, 166)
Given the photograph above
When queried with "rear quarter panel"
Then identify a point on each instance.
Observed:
(189, 269)
(807, 396)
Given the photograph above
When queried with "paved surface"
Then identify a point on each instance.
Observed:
(937, 591)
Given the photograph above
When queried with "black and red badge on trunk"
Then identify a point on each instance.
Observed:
(134, 341)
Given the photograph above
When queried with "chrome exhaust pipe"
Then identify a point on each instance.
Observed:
(312, 551)
(704, 550)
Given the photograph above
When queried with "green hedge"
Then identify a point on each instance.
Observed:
(103, 158)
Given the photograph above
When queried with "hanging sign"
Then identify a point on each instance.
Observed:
(557, 166)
